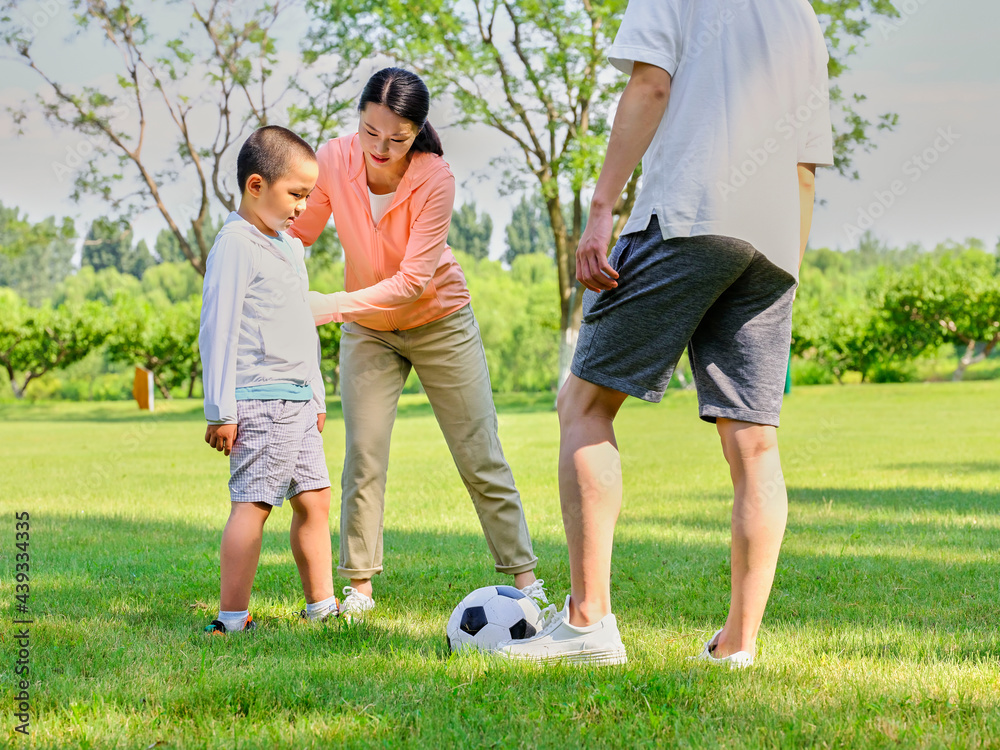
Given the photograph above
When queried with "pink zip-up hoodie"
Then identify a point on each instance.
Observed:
(400, 273)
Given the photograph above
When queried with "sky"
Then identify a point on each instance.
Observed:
(936, 177)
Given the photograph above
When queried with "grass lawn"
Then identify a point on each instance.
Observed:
(882, 630)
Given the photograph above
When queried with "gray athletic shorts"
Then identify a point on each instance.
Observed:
(718, 296)
(278, 452)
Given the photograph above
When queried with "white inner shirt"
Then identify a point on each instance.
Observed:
(380, 204)
(749, 99)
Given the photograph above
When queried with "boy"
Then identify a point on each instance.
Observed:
(264, 396)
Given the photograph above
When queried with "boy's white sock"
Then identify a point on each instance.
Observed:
(233, 621)
(317, 610)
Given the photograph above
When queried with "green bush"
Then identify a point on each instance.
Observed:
(810, 372)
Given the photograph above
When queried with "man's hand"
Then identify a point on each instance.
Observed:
(222, 437)
(321, 421)
(592, 267)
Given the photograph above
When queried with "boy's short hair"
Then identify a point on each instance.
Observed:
(269, 152)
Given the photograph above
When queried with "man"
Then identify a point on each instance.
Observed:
(728, 107)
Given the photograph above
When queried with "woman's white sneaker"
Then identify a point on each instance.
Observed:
(599, 644)
(739, 660)
(354, 604)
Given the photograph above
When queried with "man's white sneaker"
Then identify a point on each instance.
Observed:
(599, 644)
(739, 660)
(536, 591)
(355, 604)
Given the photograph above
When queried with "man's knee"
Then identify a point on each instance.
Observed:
(581, 399)
(745, 442)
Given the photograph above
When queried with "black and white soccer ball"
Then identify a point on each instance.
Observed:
(491, 615)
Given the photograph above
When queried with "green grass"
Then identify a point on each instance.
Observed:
(882, 630)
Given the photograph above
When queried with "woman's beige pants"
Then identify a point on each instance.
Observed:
(449, 359)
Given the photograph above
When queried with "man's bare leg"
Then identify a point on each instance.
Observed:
(760, 512)
(590, 491)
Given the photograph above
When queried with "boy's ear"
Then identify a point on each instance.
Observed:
(254, 184)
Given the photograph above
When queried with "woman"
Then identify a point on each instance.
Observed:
(406, 305)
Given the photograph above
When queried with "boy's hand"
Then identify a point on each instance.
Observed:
(222, 437)
(320, 421)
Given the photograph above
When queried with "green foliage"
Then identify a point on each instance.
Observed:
(876, 310)
(948, 298)
(171, 282)
(168, 248)
(518, 323)
(108, 244)
(529, 231)
(88, 285)
(470, 231)
(34, 257)
(34, 341)
(161, 339)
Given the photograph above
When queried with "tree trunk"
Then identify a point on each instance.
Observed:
(570, 332)
(191, 382)
(159, 384)
(971, 358)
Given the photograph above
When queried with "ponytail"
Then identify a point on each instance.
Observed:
(427, 140)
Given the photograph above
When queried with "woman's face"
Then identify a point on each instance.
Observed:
(385, 138)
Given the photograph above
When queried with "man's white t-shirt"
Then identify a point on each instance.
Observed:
(749, 100)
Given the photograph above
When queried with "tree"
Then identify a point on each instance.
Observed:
(34, 257)
(161, 339)
(470, 231)
(529, 231)
(536, 72)
(34, 341)
(227, 53)
(108, 244)
(168, 249)
(948, 298)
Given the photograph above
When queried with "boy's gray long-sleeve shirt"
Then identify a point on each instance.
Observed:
(256, 325)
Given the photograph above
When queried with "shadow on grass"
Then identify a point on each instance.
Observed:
(117, 572)
(950, 467)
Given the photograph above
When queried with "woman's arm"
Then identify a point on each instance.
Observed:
(424, 248)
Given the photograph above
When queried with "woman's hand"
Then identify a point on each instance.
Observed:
(323, 306)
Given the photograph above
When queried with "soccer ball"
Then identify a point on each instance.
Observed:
(491, 615)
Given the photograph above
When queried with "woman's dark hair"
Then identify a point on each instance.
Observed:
(407, 96)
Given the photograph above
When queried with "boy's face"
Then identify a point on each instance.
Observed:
(276, 205)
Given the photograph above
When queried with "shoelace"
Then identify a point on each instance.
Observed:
(535, 590)
(552, 619)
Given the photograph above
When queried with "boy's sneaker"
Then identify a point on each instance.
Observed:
(599, 644)
(536, 591)
(739, 660)
(217, 628)
(355, 604)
